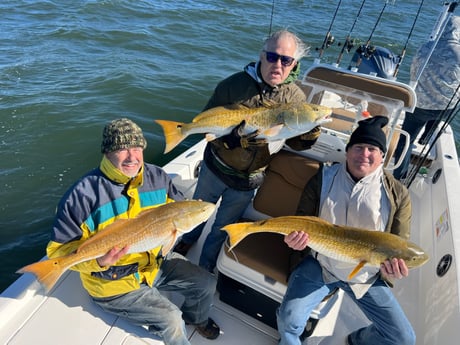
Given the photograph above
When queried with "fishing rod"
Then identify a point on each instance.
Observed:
(403, 53)
(366, 50)
(438, 29)
(271, 18)
(448, 114)
(329, 39)
(348, 41)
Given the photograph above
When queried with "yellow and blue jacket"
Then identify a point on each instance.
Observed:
(98, 199)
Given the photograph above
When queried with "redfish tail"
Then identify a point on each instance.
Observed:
(173, 133)
(236, 232)
(47, 272)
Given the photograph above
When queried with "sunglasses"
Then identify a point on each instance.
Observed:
(273, 58)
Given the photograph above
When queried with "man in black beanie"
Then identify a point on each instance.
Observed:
(370, 131)
(359, 193)
(367, 136)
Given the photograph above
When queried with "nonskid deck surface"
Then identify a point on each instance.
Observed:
(68, 316)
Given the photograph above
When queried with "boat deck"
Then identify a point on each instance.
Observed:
(48, 319)
(75, 318)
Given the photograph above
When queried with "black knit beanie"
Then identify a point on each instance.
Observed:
(369, 131)
(122, 134)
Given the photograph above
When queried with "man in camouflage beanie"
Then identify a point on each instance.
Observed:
(123, 283)
(122, 134)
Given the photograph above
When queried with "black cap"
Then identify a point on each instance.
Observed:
(369, 131)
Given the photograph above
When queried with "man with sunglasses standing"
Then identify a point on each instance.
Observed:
(234, 164)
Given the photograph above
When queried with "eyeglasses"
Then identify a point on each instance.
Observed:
(274, 57)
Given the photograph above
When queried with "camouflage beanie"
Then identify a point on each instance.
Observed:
(122, 134)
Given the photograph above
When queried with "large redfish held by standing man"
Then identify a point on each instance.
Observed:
(274, 122)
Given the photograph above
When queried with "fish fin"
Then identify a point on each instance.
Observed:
(169, 245)
(210, 136)
(47, 272)
(172, 132)
(356, 269)
(219, 111)
(273, 131)
(236, 233)
(317, 220)
(236, 106)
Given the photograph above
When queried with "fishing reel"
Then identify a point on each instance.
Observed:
(328, 41)
(365, 51)
(348, 45)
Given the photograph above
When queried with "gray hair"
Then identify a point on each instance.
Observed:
(302, 49)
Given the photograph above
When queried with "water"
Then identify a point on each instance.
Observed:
(67, 67)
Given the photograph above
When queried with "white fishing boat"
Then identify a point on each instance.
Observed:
(252, 277)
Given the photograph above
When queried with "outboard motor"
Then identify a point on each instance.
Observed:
(376, 60)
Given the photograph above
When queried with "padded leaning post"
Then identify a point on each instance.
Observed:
(285, 179)
(279, 195)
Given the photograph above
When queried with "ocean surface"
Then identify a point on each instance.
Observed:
(67, 67)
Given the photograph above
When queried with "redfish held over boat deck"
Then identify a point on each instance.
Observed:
(159, 226)
(274, 122)
(343, 243)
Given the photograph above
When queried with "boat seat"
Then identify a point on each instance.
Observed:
(342, 120)
(356, 81)
(279, 195)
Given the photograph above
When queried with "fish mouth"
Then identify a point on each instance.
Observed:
(324, 119)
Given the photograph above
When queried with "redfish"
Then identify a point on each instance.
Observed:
(159, 226)
(274, 122)
(344, 243)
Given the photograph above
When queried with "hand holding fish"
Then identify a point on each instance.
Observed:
(112, 256)
(236, 138)
(394, 268)
(297, 240)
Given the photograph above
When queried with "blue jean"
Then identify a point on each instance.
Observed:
(210, 188)
(413, 124)
(146, 306)
(306, 289)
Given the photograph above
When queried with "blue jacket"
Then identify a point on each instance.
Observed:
(94, 202)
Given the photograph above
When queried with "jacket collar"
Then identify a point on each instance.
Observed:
(117, 176)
